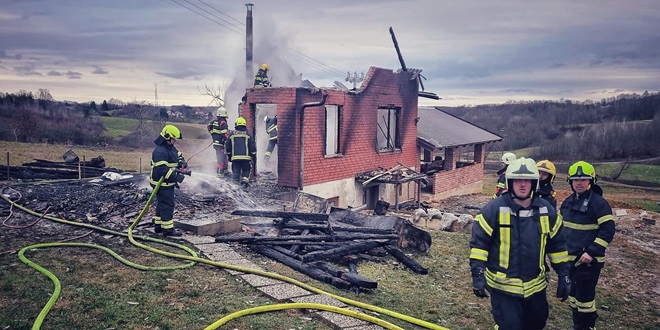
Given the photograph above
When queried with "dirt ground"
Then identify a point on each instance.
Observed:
(633, 258)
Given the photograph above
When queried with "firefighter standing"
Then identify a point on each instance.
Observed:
(167, 163)
(547, 173)
(261, 78)
(506, 159)
(271, 129)
(510, 240)
(219, 132)
(589, 229)
(241, 148)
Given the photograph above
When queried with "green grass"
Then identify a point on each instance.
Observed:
(635, 172)
(120, 126)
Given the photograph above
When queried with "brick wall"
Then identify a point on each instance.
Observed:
(358, 129)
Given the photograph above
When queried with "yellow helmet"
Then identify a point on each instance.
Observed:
(240, 121)
(582, 170)
(264, 66)
(221, 112)
(547, 167)
(170, 131)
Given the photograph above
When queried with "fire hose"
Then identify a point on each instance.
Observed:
(194, 258)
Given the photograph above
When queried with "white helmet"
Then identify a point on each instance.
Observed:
(266, 119)
(522, 168)
(508, 157)
(221, 112)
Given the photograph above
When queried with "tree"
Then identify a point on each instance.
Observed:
(163, 113)
(92, 105)
(104, 106)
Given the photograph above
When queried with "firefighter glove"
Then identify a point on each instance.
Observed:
(479, 283)
(563, 287)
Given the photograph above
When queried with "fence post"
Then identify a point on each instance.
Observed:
(7, 165)
(140, 168)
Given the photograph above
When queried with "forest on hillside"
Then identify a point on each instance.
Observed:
(624, 127)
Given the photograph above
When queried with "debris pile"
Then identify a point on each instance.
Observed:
(70, 168)
(308, 242)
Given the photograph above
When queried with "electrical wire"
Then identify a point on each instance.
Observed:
(200, 14)
(221, 12)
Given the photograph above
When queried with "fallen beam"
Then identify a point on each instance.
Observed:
(407, 261)
(282, 214)
(355, 279)
(302, 238)
(342, 250)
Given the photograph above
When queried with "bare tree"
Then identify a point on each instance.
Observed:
(217, 94)
(622, 167)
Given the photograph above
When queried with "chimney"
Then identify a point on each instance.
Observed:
(248, 45)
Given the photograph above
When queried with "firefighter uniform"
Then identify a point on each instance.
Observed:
(546, 191)
(219, 132)
(589, 228)
(271, 129)
(241, 148)
(166, 161)
(506, 159)
(261, 77)
(509, 245)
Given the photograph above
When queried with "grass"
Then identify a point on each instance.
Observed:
(119, 126)
(635, 172)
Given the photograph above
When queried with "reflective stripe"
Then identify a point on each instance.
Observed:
(271, 128)
(505, 236)
(526, 213)
(169, 173)
(605, 218)
(516, 286)
(545, 224)
(484, 225)
(167, 224)
(268, 153)
(558, 224)
(479, 254)
(579, 226)
(164, 162)
(558, 257)
(601, 242)
(545, 230)
(501, 185)
(273, 138)
(585, 307)
(577, 263)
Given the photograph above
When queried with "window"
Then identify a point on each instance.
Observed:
(388, 133)
(332, 117)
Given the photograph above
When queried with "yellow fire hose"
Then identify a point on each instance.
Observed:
(194, 258)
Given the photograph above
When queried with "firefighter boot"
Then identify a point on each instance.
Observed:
(173, 232)
(157, 228)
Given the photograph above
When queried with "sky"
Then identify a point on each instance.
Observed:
(470, 52)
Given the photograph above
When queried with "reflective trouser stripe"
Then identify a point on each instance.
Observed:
(582, 307)
(516, 286)
(158, 221)
(167, 224)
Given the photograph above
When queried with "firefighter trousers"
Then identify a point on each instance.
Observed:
(241, 171)
(517, 313)
(221, 159)
(583, 294)
(165, 207)
(271, 146)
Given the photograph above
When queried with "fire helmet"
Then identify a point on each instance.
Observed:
(522, 169)
(507, 158)
(221, 112)
(240, 121)
(266, 119)
(264, 66)
(582, 170)
(547, 167)
(170, 131)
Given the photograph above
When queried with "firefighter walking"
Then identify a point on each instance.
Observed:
(219, 130)
(167, 163)
(271, 129)
(589, 228)
(510, 240)
(241, 149)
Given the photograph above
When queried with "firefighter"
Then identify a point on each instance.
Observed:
(271, 129)
(547, 173)
(241, 148)
(589, 228)
(510, 240)
(219, 132)
(168, 163)
(505, 160)
(261, 78)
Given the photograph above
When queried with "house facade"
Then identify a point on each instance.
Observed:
(327, 136)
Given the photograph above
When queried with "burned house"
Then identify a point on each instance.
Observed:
(452, 152)
(328, 136)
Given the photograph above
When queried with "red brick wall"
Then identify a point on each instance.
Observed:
(448, 180)
(358, 129)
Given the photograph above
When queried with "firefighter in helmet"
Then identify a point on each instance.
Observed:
(505, 160)
(589, 228)
(241, 149)
(167, 163)
(547, 173)
(511, 238)
(261, 78)
(219, 131)
(271, 129)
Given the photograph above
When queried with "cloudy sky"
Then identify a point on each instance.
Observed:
(471, 52)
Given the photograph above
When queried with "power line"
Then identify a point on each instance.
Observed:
(221, 12)
(216, 22)
(319, 62)
(316, 66)
(214, 15)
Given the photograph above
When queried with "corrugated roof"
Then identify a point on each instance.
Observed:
(441, 130)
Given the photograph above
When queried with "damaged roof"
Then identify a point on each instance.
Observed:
(439, 129)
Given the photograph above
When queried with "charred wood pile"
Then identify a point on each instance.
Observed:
(315, 243)
(71, 168)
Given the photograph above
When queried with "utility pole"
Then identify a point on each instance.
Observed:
(355, 78)
(248, 45)
(156, 93)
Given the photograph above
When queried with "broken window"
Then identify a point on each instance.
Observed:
(332, 117)
(388, 133)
